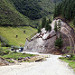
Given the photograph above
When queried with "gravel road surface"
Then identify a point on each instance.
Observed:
(52, 66)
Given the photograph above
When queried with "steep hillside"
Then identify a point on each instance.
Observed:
(10, 16)
(66, 8)
(15, 35)
(24, 12)
(34, 9)
(56, 1)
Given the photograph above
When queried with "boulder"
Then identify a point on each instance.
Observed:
(45, 41)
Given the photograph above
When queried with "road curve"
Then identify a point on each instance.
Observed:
(52, 66)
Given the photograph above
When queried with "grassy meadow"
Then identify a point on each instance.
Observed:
(6, 54)
(9, 33)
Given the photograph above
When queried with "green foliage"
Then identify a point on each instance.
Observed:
(48, 26)
(74, 21)
(68, 48)
(59, 25)
(9, 34)
(39, 28)
(59, 42)
(66, 8)
(10, 61)
(17, 55)
(4, 51)
(8, 13)
(71, 61)
(26, 11)
(55, 27)
(34, 9)
(43, 22)
(49, 21)
(4, 42)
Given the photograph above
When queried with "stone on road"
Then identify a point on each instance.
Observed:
(53, 66)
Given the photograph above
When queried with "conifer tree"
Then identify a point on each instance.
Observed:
(74, 22)
(43, 22)
(55, 27)
(59, 25)
(48, 27)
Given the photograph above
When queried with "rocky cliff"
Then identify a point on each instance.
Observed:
(45, 41)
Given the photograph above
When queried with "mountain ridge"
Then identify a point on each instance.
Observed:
(11, 16)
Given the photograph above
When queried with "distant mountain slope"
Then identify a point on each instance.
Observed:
(34, 9)
(24, 12)
(66, 8)
(9, 14)
(56, 1)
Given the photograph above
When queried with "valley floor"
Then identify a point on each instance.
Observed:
(52, 66)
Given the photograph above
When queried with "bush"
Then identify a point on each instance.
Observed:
(59, 42)
(4, 52)
(43, 22)
(74, 21)
(4, 42)
(39, 28)
(55, 28)
(48, 27)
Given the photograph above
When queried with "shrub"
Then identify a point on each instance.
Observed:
(48, 27)
(59, 42)
(43, 22)
(3, 52)
(74, 21)
(55, 28)
(4, 42)
(39, 28)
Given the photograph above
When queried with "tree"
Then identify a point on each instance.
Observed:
(55, 27)
(59, 42)
(48, 26)
(74, 21)
(59, 25)
(39, 28)
(55, 11)
(50, 21)
(66, 8)
(43, 22)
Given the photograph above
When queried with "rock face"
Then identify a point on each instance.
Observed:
(3, 62)
(44, 41)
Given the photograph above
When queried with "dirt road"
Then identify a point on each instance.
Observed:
(52, 66)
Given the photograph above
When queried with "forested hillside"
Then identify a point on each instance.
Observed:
(66, 8)
(10, 16)
(24, 12)
(34, 9)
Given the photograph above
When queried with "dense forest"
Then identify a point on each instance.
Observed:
(66, 8)
(34, 9)
(24, 12)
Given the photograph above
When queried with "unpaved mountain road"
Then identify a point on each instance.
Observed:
(52, 66)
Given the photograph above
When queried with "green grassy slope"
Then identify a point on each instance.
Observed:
(9, 14)
(10, 33)
(16, 12)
